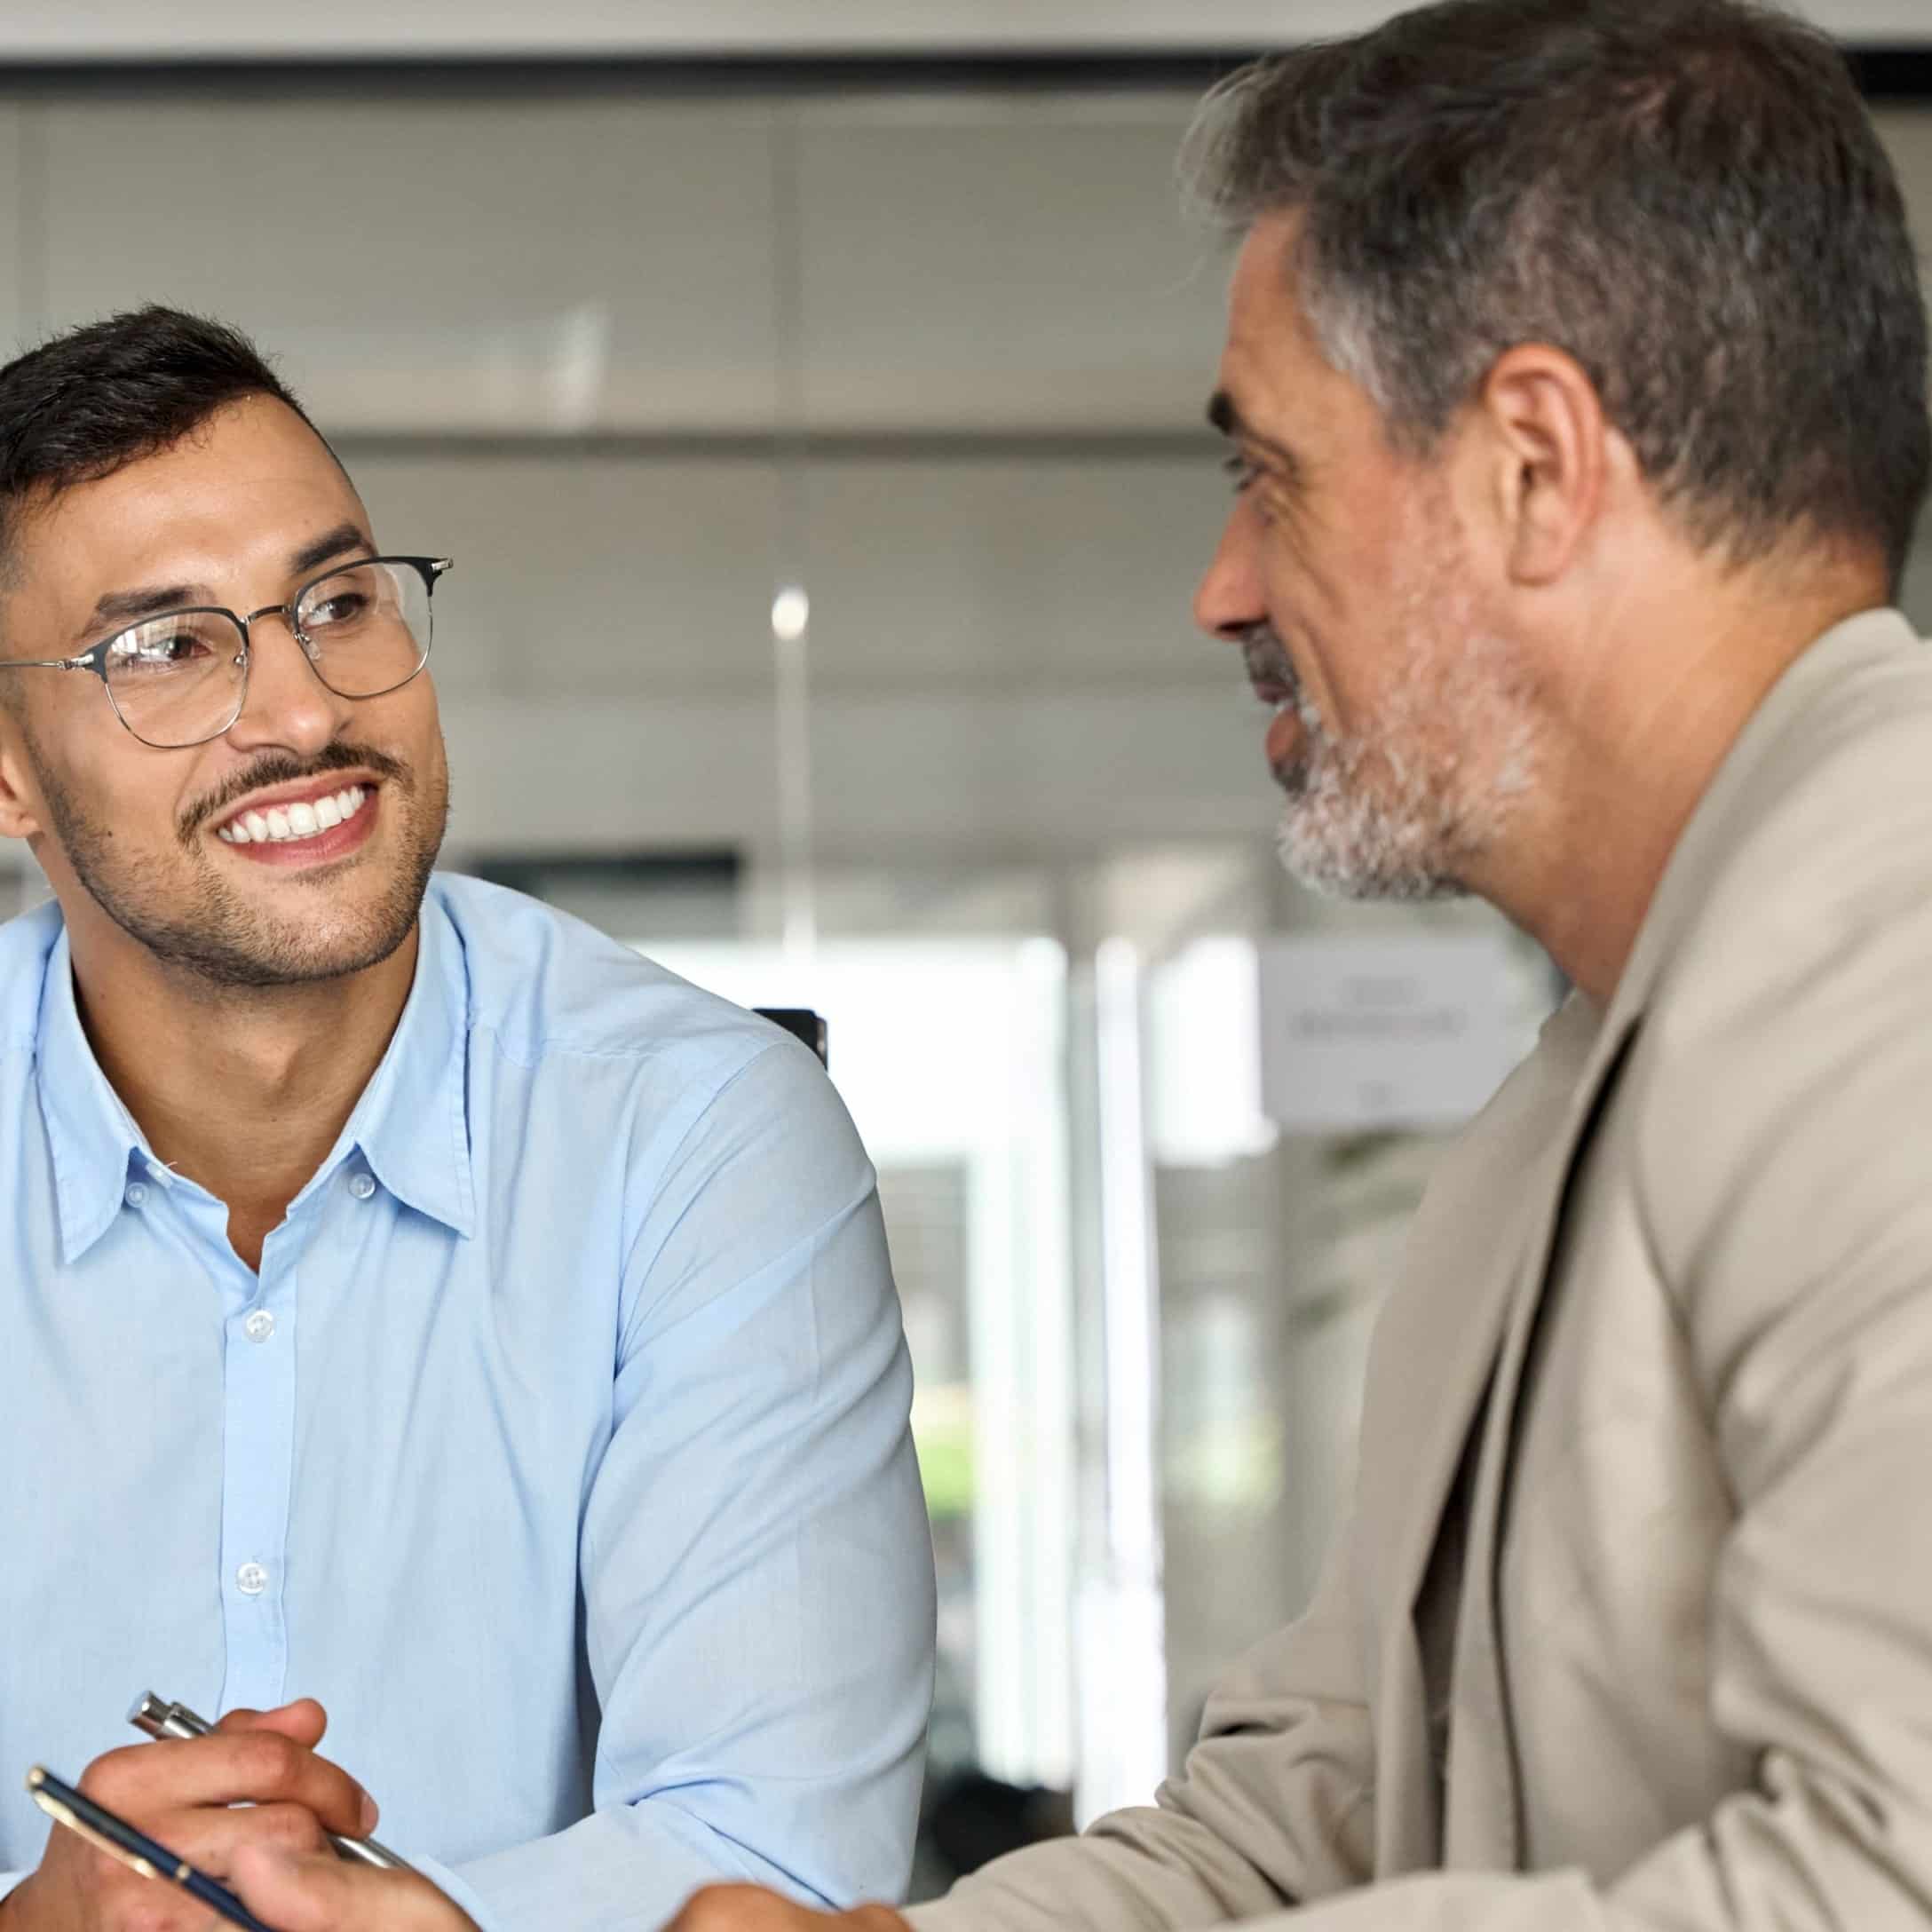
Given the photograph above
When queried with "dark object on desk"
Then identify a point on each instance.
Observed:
(975, 1819)
(801, 1022)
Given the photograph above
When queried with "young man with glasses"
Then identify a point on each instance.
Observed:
(409, 1300)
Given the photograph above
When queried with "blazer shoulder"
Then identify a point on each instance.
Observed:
(1827, 853)
(1780, 1087)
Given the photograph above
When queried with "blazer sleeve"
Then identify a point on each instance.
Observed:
(1274, 1805)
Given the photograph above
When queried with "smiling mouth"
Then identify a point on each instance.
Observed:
(305, 818)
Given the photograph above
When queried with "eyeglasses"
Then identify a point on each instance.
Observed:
(181, 679)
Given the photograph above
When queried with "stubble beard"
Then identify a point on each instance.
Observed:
(208, 931)
(1407, 809)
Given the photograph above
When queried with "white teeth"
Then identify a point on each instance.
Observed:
(301, 820)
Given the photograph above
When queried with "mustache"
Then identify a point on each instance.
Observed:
(1267, 659)
(279, 768)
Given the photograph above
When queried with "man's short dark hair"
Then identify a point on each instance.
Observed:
(91, 401)
(1686, 195)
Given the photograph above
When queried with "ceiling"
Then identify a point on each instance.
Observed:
(122, 30)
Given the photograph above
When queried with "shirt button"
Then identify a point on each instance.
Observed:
(136, 1194)
(252, 1580)
(259, 1325)
(362, 1185)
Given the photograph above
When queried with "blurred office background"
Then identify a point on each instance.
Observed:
(813, 408)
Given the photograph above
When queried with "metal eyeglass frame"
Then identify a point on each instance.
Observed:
(431, 569)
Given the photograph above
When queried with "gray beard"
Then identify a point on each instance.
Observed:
(1372, 818)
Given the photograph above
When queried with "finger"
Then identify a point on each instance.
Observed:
(237, 1767)
(320, 1893)
(306, 1894)
(303, 1719)
(741, 1908)
(210, 1837)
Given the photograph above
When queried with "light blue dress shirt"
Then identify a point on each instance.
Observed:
(559, 1448)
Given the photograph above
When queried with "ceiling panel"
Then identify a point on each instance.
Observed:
(1036, 575)
(601, 578)
(442, 264)
(22, 254)
(124, 28)
(985, 263)
(584, 578)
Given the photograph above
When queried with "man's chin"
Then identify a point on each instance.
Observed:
(1291, 775)
(1354, 867)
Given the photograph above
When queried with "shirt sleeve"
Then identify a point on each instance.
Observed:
(756, 1565)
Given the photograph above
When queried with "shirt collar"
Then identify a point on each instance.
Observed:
(92, 1137)
(411, 1126)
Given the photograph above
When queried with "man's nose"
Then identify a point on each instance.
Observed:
(1228, 603)
(288, 707)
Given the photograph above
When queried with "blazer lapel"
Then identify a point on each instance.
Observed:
(1432, 1361)
(1483, 1827)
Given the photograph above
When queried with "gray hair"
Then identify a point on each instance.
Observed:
(1686, 195)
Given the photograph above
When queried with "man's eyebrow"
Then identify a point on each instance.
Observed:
(117, 608)
(332, 544)
(1224, 416)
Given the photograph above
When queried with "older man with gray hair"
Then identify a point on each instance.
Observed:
(1576, 379)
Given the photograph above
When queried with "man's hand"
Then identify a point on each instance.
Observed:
(182, 1793)
(318, 1892)
(751, 1908)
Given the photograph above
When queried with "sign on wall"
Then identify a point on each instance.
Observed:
(1382, 1033)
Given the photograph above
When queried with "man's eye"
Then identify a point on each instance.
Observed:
(344, 607)
(159, 649)
(1244, 473)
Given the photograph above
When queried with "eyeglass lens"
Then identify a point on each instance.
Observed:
(179, 679)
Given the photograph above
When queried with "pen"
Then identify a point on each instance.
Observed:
(119, 1840)
(160, 1719)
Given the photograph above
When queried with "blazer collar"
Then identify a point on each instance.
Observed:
(1752, 766)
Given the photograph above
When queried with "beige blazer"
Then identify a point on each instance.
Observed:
(1631, 1625)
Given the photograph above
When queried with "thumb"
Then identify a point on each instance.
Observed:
(316, 1892)
(296, 1892)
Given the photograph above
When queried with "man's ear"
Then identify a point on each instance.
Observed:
(20, 796)
(1548, 458)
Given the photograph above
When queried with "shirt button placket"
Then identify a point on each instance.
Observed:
(258, 1471)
